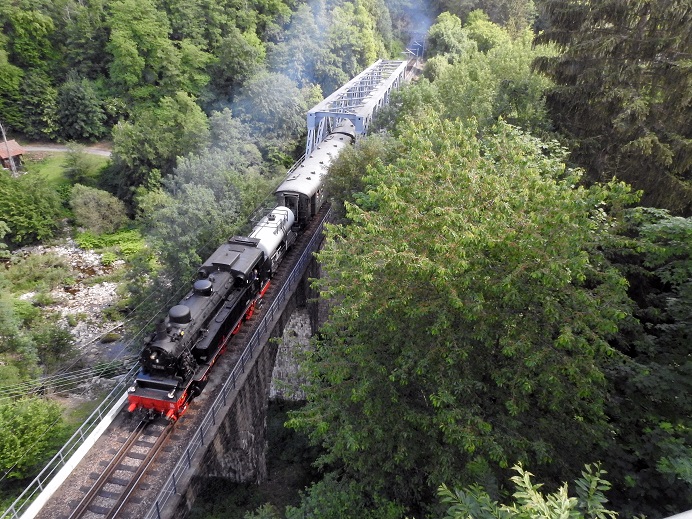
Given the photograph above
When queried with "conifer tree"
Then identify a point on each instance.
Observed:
(624, 91)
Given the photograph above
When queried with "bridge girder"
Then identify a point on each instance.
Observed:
(358, 101)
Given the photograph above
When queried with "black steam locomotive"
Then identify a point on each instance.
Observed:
(177, 359)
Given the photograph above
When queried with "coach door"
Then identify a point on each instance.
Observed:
(291, 201)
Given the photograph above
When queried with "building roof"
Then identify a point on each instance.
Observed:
(14, 148)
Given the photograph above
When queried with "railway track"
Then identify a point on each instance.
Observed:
(116, 483)
(118, 477)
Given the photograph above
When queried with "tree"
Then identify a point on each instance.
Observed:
(530, 502)
(80, 114)
(623, 92)
(650, 461)
(146, 148)
(78, 166)
(447, 37)
(274, 108)
(29, 32)
(54, 343)
(495, 82)
(295, 56)
(17, 349)
(37, 106)
(4, 230)
(85, 39)
(345, 182)
(238, 57)
(30, 209)
(485, 33)
(146, 64)
(351, 44)
(471, 316)
(515, 15)
(10, 81)
(27, 427)
(97, 211)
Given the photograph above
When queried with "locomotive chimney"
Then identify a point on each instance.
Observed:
(160, 330)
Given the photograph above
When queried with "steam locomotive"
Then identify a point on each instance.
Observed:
(177, 359)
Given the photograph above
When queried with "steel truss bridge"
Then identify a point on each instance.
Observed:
(358, 101)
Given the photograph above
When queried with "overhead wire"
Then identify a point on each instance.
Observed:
(65, 381)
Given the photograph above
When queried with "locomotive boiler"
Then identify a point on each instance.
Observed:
(177, 359)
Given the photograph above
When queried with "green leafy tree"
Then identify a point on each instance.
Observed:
(495, 83)
(30, 209)
(530, 502)
(295, 56)
(345, 182)
(18, 356)
(351, 44)
(10, 81)
(623, 90)
(54, 344)
(187, 20)
(146, 64)
(29, 32)
(27, 427)
(238, 57)
(447, 37)
(4, 230)
(650, 461)
(515, 15)
(96, 210)
(85, 38)
(274, 108)
(485, 33)
(78, 166)
(471, 316)
(147, 147)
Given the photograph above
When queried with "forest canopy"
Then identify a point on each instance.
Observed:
(509, 275)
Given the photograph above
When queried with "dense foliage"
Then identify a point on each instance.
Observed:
(30, 209)
(473, 315)
(452, 350)
(530, 501)
(623, 92)
(23, 438)
(488, 307)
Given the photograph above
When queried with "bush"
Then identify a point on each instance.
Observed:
(27, 428)
(29, 208)
(79, 168)
(54, 343)
(96, 210)
(38, 272)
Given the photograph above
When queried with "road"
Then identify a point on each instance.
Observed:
(94, 150)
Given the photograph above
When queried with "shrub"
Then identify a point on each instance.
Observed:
(97, 210)
(37, 272)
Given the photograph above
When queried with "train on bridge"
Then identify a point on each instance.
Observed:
(177, 359)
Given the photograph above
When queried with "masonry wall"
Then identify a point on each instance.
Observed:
(238, 450)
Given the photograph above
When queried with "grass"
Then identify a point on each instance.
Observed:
(50, 166)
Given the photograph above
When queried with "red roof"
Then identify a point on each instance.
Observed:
(15, 149)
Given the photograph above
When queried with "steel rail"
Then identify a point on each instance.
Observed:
(254, 345)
